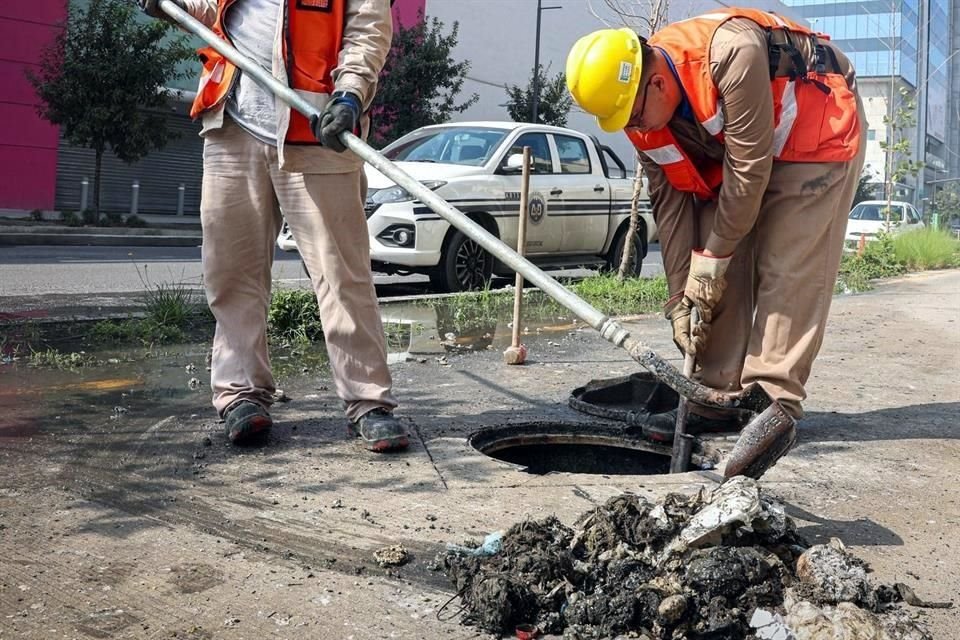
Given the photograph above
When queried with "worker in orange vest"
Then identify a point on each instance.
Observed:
(261, 157)
(748, 127)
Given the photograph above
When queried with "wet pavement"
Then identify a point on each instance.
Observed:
(125, 513)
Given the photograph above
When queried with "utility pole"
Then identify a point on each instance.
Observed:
(535, 102)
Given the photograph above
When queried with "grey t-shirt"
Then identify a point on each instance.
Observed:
(252, 25)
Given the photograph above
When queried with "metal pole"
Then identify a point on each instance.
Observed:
(84, 194)
(535, 101)
(135, 198)
(609, 329)
(181, 191)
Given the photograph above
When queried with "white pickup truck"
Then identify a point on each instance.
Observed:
(578, 206)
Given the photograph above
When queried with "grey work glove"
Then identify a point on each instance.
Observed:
(152, 8)
(341, 114)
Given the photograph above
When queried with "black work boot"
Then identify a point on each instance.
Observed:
(380, 431)
(661, 426)
(245, 420)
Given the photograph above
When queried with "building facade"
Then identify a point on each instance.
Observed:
(900, 45)
(28, 144)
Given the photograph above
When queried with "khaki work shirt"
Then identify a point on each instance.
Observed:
(367, 34)
(739, 65)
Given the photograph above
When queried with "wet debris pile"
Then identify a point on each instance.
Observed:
(724, 566)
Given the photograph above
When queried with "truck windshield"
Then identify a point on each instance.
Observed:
(449, 145)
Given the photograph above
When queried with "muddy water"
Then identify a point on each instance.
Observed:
(151, 383)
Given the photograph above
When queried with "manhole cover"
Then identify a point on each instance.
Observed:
(567, 447)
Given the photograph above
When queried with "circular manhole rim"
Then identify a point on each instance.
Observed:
(491, 439)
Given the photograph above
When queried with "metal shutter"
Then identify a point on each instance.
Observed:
(160, 173)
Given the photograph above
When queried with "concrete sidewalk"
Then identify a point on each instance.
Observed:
(149, 525)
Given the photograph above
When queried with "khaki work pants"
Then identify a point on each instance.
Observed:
(770, 322)
(244, 191)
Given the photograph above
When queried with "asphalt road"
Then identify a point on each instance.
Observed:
(38, 270)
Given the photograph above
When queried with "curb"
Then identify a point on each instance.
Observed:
(60, 239)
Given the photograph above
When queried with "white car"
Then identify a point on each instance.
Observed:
(869, 218)
(578, 205)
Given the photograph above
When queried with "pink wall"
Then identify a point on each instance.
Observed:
(28, 144)
(406, 12)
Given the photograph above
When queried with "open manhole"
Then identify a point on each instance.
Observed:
(578, 447)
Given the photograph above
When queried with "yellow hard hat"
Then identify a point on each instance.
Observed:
(603, 74)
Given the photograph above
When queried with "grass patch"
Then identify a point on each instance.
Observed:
(893, 255)
(294, 316)
(623, 297)
(146, 331)
(56, 359)
(471, 312)
(923, 249)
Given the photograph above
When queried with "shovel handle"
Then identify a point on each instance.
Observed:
(521, 245)
(609, 329)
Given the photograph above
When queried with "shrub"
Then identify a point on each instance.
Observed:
(70, 219)
(136, 221)
(879, 260)
(112, 219)
(36, 215)
(89, 216)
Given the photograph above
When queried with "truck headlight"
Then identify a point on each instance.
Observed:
(396, 193)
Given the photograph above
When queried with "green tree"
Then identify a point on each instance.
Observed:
(897, 147)
(101, 80)
(866, 190)
(946, 204)
(553, 105)
(420, 82)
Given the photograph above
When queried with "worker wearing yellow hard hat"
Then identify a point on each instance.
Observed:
(603, 73)
(748, 128)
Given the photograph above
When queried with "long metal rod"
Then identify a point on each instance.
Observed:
(609, 329)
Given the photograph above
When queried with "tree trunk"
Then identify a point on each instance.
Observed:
(628, 243)
(96, 185)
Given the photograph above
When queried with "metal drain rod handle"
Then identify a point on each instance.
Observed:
(609, 329)
(683, 443)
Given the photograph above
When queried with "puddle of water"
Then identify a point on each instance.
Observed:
(154, 383)
(417, 330)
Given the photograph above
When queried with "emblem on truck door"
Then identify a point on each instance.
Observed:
(536, 208)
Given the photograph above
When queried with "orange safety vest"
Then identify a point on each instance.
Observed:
(815, 112)
(312, 35)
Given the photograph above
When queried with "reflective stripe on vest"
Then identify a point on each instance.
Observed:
(815, 118)
(788, 116)
(667, 154)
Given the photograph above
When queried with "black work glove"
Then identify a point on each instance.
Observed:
(152, 8)
(341, 114)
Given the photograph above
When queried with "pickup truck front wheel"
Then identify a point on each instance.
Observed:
(464, 265)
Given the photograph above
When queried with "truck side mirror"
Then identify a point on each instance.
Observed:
(514, 163)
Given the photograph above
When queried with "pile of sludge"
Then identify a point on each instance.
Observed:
(725, 566)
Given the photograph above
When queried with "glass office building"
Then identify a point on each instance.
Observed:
(896, 44)
(881, 37)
